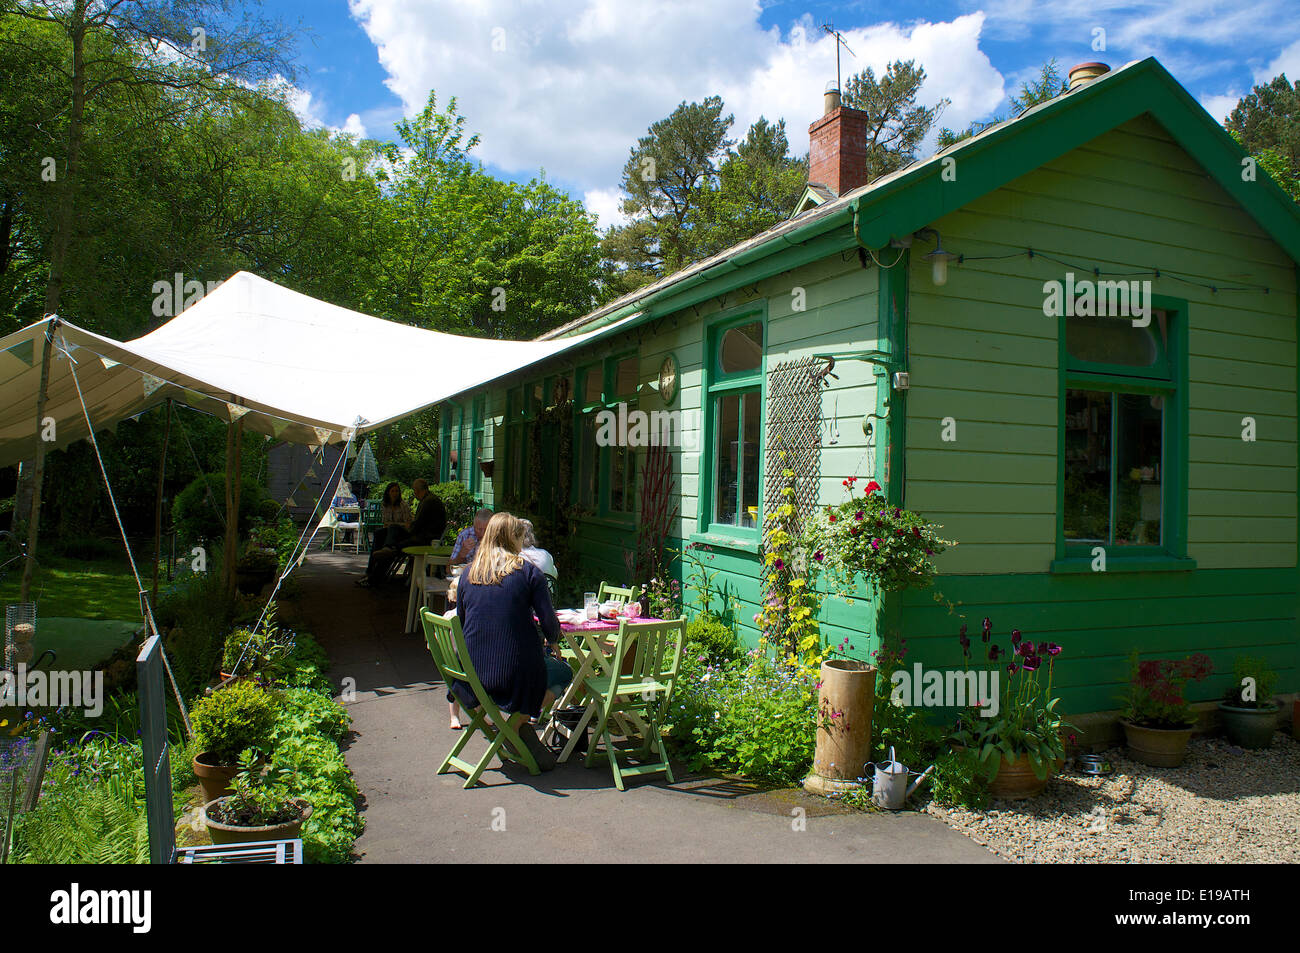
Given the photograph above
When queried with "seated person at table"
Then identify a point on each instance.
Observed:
(536, 555)
(499, 594)
(462, 552)
(429, 523)
(395, 517)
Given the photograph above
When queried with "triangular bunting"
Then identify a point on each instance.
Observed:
(323, 435)
(108, 363)
(236, 411)
(288, 501)
(151, 384)
(279, 426)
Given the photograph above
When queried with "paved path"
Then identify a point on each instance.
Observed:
(570, 814)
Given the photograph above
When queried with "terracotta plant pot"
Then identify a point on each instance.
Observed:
(1016, 781)
(1249, 727)
(213, 778)
(844, 704)
(1158, 747)
(232, 834)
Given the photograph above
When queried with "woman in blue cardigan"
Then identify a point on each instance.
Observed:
(497, 598)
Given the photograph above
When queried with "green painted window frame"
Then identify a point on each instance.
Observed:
(611, 399)
(1171, 554)
(444, 443)
(581, 410)
(600, 505)
(713, 385)
(476, 445)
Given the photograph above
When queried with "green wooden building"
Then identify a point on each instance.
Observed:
(921, 308)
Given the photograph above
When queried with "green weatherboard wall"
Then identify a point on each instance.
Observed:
(981, 351)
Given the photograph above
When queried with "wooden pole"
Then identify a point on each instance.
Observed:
(158, 501)
(38, 470)
(230, 555)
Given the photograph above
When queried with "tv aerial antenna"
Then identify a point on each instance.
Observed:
(839, 41)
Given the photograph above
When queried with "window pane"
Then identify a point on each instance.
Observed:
(1087, 466)
(592, 386)
(726, 460)
(587, 460)
(1112, 341)
(741, 348)
(750, 468)
(625, 377)
(1139, 445)
(622, 479)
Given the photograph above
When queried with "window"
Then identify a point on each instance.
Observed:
(735, 409)
(476, 447)
(605, 480)
(1123, 429)
(512, 473)
(444, 443)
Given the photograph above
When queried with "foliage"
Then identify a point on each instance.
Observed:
(688, 194)
(1156, 696)
(960, 780)
(869, 539)
(259, 796)
(700, 579)
(1047, 85)
(664, 596)
(896, 123)
(1253, 681)
(713, 639)
(461, 505)
(303, 742)
(199, 510)
(755, 716)
(91, 809)
(788, 616)
(240, 715)
(1266, 122)
(1026, 721)
(194, 612)
(897, 726)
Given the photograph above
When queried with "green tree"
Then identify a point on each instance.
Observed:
(1266, 123)
(1047, 85)
(896, 123)
(757, 187)
(668, 174)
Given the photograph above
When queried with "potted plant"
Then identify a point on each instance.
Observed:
(259, 807)
(256, 567)
(1249, 712)
(1158, 720)
(862, 541)
(231, 719)
(1019, 744)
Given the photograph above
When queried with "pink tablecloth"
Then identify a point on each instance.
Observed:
(600, 625)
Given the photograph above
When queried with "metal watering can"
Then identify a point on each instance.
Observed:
(889, 788)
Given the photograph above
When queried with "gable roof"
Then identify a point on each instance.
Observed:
(904, 201)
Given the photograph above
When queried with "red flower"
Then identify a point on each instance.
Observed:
(873, 487)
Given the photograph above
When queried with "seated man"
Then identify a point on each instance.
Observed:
(429, 524)
(462, 553)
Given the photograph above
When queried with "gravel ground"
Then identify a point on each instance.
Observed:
(1222, 805)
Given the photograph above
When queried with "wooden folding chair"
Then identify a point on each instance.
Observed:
(451, 656)
(641, 695)
(620, 594)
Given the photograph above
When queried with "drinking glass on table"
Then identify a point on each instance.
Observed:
(591, 606)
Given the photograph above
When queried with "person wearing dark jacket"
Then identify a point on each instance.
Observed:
(429, 524)
(499, 596)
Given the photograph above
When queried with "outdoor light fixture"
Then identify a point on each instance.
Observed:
(938, 258)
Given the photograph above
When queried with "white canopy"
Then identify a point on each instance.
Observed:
(290, 366)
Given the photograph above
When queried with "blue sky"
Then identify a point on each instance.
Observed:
(567, 85)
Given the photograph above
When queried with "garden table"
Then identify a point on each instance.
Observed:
(592, 644)
(426, 558)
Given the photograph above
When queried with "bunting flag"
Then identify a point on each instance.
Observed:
(108, 363)
(288, 501)
(279, 426)
(313, 448)
(236, 411)
(323, 435)
(310, 474)
(151, 384)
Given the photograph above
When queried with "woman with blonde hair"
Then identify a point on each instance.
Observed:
(496, 600)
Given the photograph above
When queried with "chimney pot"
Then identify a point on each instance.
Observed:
(1086, 73)
(831, 98)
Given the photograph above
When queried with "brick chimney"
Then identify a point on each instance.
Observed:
(837, 149)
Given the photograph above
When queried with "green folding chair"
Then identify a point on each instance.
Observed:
(451, 656)
(372, 518)
(620, 594)
(641, 696)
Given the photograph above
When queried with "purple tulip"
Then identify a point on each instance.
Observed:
(1053, 648)
(1015, 636)
(994, 653)
(1012, 668)
(1031, 663)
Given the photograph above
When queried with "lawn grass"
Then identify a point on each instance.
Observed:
(77, 588)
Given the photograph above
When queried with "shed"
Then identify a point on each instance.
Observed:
(969, 380)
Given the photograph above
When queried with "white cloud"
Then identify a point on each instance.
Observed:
(605, 204)
(570, 85)
(1220, 106)
(353, 126)
(1288, 62)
